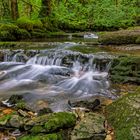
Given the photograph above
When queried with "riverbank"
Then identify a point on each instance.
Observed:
(36, 32)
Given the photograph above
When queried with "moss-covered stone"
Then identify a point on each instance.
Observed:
(5, 118)
(60, 120)
(126, 70)
(55, 136)
(119, 37)
(51, 122)
(124, 116)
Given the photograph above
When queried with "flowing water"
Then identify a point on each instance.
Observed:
(56, 75)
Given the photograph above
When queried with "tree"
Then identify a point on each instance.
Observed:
(45, 8)
(14, 9)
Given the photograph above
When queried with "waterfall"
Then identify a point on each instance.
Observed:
(49, 73)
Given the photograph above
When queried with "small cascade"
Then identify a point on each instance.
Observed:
(55, 73)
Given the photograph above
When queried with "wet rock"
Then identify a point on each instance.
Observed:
(14, 99)
(16, 121)
(88, 104)
(23, 113)
(90, 127)
(44, 111)
(124, 116)
(5, 115)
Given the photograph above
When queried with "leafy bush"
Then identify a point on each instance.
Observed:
(29, 25)
(6, 36)
(11, 28)
(22, 34)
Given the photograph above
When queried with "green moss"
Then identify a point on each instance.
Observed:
(23, 34)
(85, 49)
(6, 36)
(126, 70)
(60, 120)
(55, 136)
(37, 129)
(11, 28)
(5, 118)
(119, 37)
(124, 115)
(21, 105)
(29, 25)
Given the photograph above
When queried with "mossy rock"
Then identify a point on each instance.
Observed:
(55, 136)
(60, 120)
(51, 122)
(124, 116)
(119, 37)
(126, 70)
(5, 118)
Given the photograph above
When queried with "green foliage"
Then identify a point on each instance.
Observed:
(75, 14)
(11, 28)
(28, 24)
(23, 34)
(6, 36)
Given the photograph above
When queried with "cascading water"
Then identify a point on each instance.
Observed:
(56, 75)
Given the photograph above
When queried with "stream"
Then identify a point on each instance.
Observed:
(55, 75)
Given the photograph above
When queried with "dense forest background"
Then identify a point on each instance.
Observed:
(71, 14)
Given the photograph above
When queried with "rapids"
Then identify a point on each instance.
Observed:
(56, 75)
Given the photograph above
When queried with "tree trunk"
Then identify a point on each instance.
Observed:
(14, 9)
(45, 9)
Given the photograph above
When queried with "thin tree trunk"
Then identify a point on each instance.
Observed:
(46, 8)
(14, 9)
